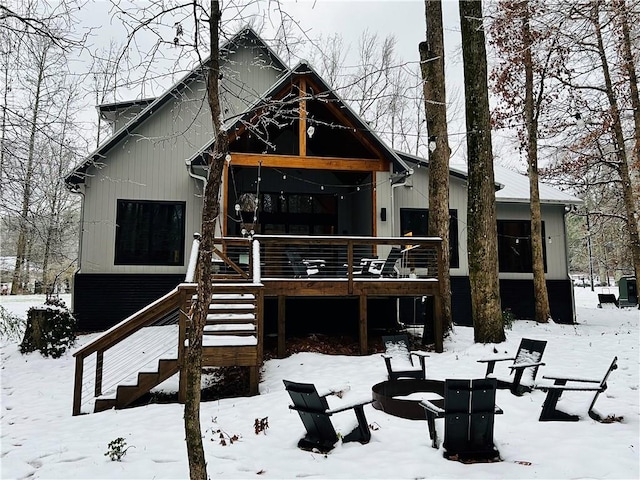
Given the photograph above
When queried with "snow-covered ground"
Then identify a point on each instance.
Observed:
(40, 438)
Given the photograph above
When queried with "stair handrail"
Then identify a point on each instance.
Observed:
(146, 316)
(193, 259)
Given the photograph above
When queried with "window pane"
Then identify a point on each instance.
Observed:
(416, 221)
(514, 246)
(149, 233)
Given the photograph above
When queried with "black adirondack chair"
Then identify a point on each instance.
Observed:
(382, 268)
(398, 358)
(550, 412)
(524, 367)
(314, 412)
(303, 268)
(468, 409)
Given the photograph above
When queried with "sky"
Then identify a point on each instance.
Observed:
(41, 440)
(402, 18)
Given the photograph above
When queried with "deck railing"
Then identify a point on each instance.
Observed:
(345, 258)
(264, 258)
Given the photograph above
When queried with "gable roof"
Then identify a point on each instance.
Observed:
(512, 187)
(77, 175)
(327, 94)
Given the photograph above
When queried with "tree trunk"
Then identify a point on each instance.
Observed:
(631, 206)
(210, 211)
(481, 212)
(435, 105)
(541, 298)
(634, 174)
(18, 271)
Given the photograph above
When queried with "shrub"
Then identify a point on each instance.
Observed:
(51, 329)
(117, 449)
(11, 326)
(508, 318)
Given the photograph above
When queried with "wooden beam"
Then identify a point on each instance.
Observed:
(363, 330)
(315, 163)
(225, 200)
(281, 325)
(77, 386)
(302, 121)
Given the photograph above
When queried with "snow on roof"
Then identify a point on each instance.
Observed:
(515, 188)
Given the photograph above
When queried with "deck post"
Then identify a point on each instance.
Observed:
(254, 379)
(77, 386)
(281, 325)
(99, 368)
(437, 322)
(363, 325)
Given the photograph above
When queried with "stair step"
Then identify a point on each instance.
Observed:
(234, 297)
(232, 306)
(226, 329)
(103, 404)
(231, 317)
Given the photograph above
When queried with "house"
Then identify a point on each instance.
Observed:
(302, 163)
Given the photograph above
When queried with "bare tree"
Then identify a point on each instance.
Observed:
(435, 105)
(40, 54)
(481, 212)
(601, 82)
(527, 58)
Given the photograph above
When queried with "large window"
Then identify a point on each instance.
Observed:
(416, 221)
(149, 233)
(295, 214)
(514, 246)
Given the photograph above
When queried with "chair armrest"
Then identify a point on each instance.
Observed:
(335, 390)
(518, 366)
(432, 407)
(419, 353)
(313, 262)
(569, 388)
(563, 380)
(491, 363)
(348, 407)
(496, 359)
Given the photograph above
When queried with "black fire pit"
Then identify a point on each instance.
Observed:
(384, 394)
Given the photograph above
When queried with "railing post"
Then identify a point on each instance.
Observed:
(350, 266)
(437, 303)
(183, 318)
(99, 368)
(77, 385)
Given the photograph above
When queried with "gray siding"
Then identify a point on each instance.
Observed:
(416, 195)
(553, 218)
(150, 164)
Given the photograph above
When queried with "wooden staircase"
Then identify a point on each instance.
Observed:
(127, 394)
(232, 337)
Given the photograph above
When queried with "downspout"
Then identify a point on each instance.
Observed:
(566, 210)
(192, 174)
(399, 180)
(76, 190)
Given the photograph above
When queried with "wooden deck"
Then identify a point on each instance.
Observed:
(343, 267)
(247, 271)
